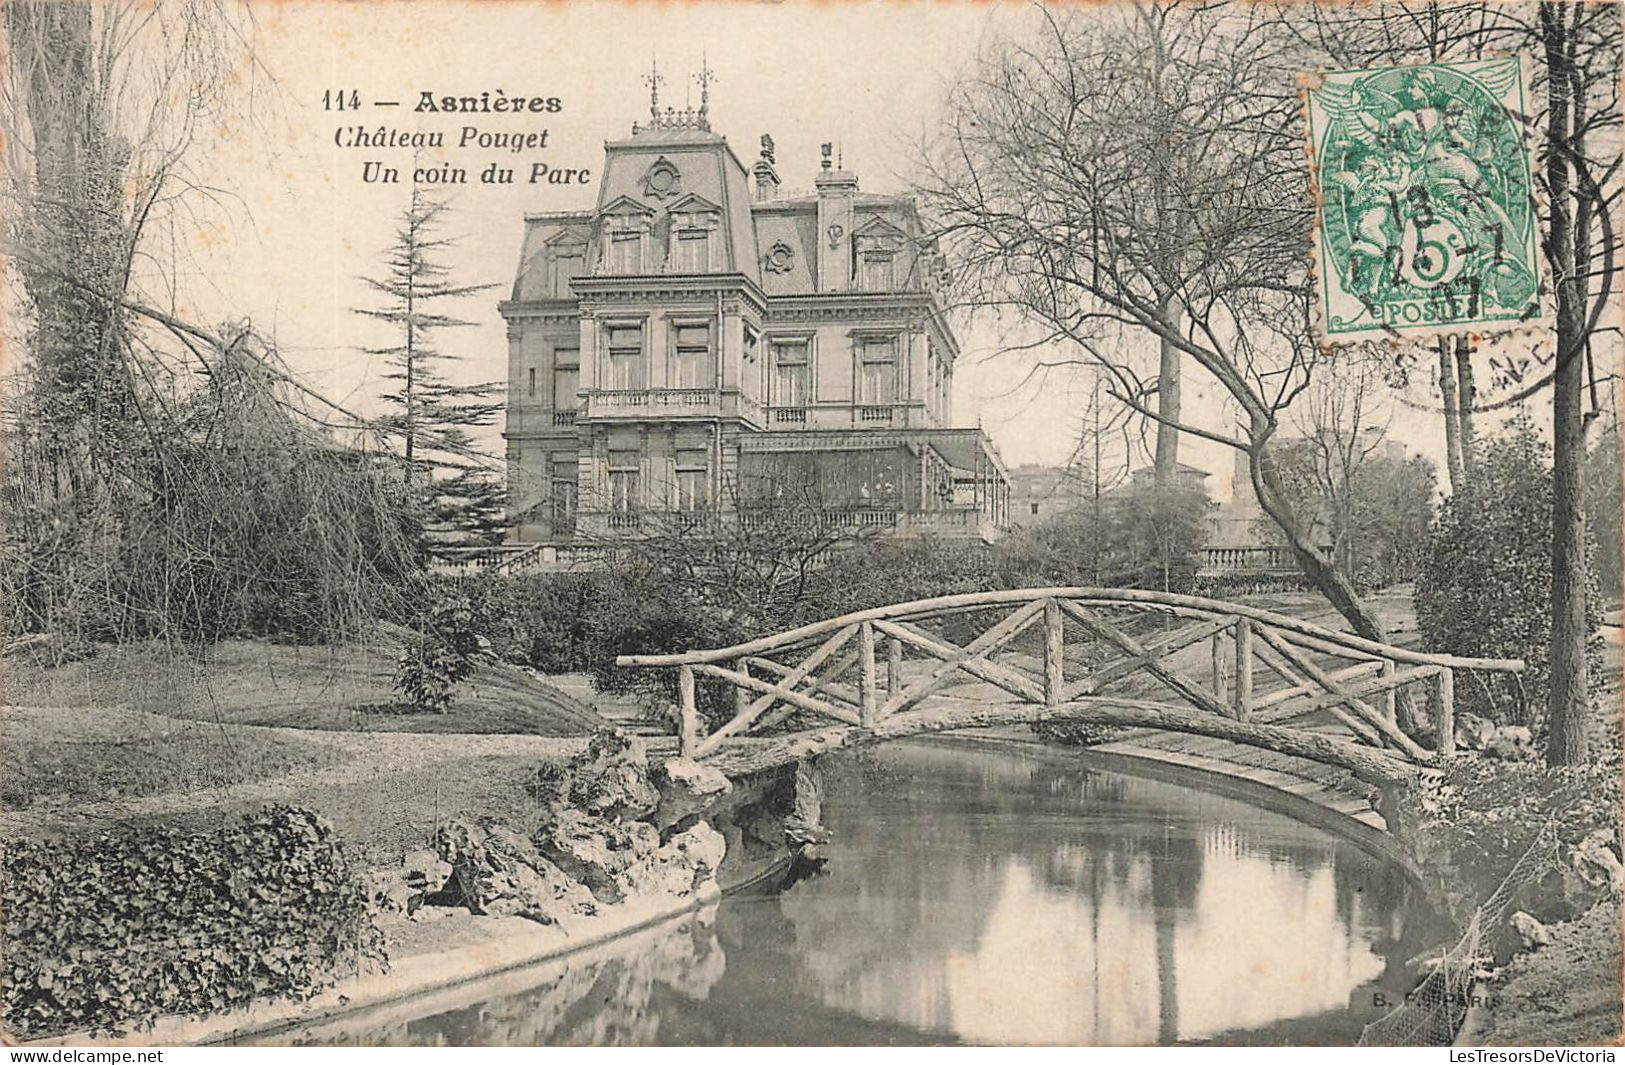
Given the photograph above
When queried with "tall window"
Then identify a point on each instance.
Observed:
(566, 378)
(693, 482)
(791, 373)
(569, 262)
(626, 253)
(692, 251)
(877, 371)
(532, 385)
(691, 348)
(562, 500)
(623, 482)
(877, 271)
(626, 362)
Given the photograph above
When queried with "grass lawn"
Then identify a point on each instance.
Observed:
(45, 763)
(152, 733)
(256, 682)
(384, 812)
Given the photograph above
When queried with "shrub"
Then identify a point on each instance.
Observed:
(1484, 585)
(1492, 810)
(114, 930)
(1483, 815)
(438, 657)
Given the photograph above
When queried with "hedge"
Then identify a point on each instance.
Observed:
(111, 931)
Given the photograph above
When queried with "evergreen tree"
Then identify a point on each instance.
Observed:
(446, 477)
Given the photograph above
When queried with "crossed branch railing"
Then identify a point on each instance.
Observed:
(1361, 695)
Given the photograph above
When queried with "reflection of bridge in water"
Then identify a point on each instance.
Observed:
(1124, 657)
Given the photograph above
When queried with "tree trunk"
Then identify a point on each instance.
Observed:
(1320, 570)
(1566, 705)
(1466, 396)
(1452, 417)
(1167, 464)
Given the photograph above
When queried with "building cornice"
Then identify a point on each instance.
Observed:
(544, 312)
(601, 288)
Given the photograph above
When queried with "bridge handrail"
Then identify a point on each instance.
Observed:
(1005, 597)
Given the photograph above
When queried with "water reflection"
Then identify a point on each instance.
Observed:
(984, 897)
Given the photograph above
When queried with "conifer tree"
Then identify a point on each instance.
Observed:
(446, 477)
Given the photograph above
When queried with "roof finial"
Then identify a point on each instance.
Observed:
(654, 81)
(705, 77)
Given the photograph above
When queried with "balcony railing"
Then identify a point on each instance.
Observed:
(564, 419)
(789, 415)
(951, 522)
(1266, 559)
(877, 415)
(653, 402)
(623, 519)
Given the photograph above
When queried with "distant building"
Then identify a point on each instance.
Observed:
(1244, 538)
(702, 340)
(1040, 493)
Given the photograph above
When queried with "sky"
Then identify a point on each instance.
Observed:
(297, 227)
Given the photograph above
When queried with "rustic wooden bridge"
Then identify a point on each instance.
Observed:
(1123, 657)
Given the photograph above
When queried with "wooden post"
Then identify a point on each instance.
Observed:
(1217, 647)
(688, 735)
(1447, 712)
(1054, 653)
(869, 713)
(894, 666)
(1388, 705)
(1244, 669)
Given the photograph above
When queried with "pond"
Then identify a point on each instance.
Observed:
(984, 895)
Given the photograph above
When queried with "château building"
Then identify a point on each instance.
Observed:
(705, 344)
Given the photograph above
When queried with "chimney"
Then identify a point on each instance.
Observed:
(836, 191)
(766, 178)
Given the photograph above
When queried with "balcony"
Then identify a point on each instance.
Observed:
(564, 419)
(791, 416)
(634, 403)
(887, 415)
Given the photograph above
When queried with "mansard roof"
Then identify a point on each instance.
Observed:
(778, 243)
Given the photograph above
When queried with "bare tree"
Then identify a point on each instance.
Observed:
(1577, 112)
(1057, 190)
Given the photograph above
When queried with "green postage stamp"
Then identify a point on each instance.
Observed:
(1425, 200)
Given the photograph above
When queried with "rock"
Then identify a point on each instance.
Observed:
(619, 860)
(498, 872)
(1594, 861)
(430, 913)
(687, 789)
(404, 889)
(595, 851)
(1473, 731)
(1532, 932)
(612, 778)
(679, 867)
(1510, 743)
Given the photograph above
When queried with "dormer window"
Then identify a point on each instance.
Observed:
(877, 271)
(626, 253)
(624, 237)
(692, 251)
(877, 247)
(693, 246)
(569, 261)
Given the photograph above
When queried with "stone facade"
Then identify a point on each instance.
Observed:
(670, 347)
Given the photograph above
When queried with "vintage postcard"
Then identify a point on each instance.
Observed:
(802, 524)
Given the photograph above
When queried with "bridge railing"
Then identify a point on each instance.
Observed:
(873, 667)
